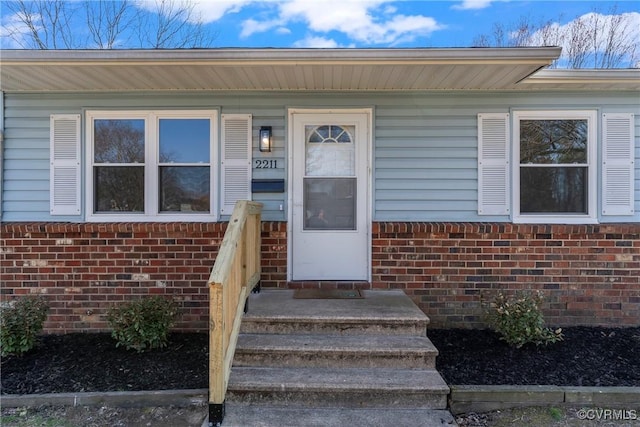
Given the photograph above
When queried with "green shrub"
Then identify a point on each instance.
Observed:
(20, 323)
(519, 320)
(142, 324)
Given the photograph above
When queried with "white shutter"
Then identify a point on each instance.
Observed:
(493, 164)
(617, 164)
(236, 160)
(64, 173)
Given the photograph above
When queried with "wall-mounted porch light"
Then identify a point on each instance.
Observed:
(265, 139)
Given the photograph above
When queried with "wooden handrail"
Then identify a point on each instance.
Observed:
(235, 272)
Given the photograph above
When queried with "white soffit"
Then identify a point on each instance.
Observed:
(286, 70)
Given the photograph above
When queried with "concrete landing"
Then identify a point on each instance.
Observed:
(379, 312)
(387, 305)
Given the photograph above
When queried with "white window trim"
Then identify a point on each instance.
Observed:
(152, 213)
(592, 161)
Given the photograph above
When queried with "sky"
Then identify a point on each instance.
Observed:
(378, 23)
(374, 23)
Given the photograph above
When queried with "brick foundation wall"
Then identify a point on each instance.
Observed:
(590, 274)
(83, 269)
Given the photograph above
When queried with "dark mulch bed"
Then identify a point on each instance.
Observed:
(91, 362)
(586, 357)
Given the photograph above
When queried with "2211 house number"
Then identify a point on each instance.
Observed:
(266, 164)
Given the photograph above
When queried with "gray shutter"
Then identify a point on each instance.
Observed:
(64, 173)
(236, 160)
(617, 164)
(493, 164)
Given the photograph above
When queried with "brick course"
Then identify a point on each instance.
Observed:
(590, 273)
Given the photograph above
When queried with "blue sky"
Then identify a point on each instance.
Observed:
(377, 23)
(374, 23)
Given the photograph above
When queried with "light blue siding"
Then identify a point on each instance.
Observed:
(424, 165)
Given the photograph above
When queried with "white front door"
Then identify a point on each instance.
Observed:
(329, 228)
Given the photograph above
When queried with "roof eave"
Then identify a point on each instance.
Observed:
(583, 79)
(274, 56)
(585, 76)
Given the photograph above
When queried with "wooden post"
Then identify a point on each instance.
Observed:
(216, 355)
(235, 272)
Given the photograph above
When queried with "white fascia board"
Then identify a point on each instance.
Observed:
(627, 75)
(274, 56)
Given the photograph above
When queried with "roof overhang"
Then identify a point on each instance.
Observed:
(584, 80)
(290, 70)
(269, 69)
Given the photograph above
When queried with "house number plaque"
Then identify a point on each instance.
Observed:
(266, 164)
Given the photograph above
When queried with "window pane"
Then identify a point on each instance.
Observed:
(184, 189)
(119, 141)
(119, 188)
(553, 141)
(184, 140)
(553, 190)
(330, 203)
(329, 151)
(328, 133)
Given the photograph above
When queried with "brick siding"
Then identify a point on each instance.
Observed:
(590, 274)
(85, 268)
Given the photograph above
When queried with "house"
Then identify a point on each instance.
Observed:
(448, 173)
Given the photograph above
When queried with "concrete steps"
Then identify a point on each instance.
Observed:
(338, 387)
(325, 350)
(335, 362)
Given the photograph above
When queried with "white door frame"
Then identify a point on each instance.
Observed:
(290, 177)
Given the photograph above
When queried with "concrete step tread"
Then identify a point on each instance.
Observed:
(337, 379)
(326, 343)
(260, 416)
(387, 306)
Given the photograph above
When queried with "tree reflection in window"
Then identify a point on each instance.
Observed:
(185, 180)
(553, 141)
(553, 166)
(183, 162)
(119, 155)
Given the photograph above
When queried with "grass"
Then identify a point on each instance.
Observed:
(27, 417)
(543, 416)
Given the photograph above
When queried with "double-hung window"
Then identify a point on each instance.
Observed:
(554, 173)
(144, 165)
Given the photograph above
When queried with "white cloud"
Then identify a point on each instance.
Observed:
(211, 11)
(252, 26)
(561, 35)
(472, 4)
(317, 42)
(363, 21)
(206, 10)
(14, 33)
(410, 27)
